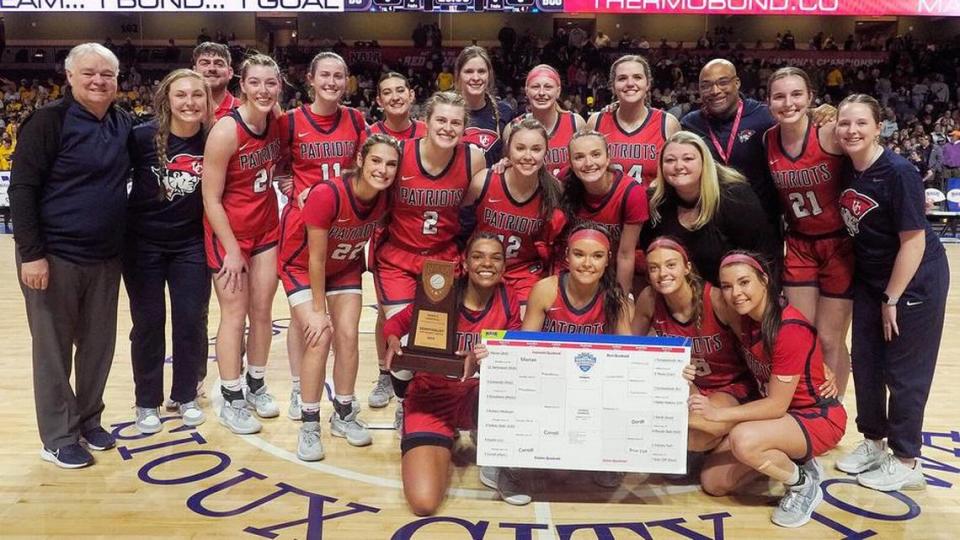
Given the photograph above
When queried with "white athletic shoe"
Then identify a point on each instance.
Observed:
(382, 392)
(263, 403)
(309, 445)
(293, 411)
(867, 455)
(349, 428)
(238, 419)
(148, 420)
(798, 504)
(893, 475)
(192, 415)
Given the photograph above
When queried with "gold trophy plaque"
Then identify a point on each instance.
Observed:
(433, 331)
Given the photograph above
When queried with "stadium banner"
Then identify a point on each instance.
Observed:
(935, 8)
(932, 8)
(797, 58)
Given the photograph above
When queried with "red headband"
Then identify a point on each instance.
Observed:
(740, 258)
(589, 234)
(664, 242)
(543, 70)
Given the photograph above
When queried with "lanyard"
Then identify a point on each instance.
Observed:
(725, 154)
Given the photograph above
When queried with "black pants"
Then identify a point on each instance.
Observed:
(904, 366)
(77, 309)
(147, 268)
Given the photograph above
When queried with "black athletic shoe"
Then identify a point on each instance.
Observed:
(98, 439)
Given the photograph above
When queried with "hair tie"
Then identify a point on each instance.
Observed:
(589, 234)
(743, 258)
(543, 70)
(669, 243)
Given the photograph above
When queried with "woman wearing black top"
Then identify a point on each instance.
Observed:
(708, 207)
(900, 284)
(164, 247)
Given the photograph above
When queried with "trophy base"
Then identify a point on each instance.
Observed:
(440, 363)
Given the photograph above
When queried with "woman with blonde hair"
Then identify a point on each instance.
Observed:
(708, 207)
(164, 248)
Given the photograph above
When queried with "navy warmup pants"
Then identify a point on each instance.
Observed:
(902, 367)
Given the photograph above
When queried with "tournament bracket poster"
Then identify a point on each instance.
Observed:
(583, 402)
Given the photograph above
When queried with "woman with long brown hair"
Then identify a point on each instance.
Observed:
(164, 247)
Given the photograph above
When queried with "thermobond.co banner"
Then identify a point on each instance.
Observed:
(936, 8)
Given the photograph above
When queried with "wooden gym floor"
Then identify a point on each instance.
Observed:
(208, 482)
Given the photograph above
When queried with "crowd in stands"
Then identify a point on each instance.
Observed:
(917, 83)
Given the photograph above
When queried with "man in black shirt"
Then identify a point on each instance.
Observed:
(68, 195)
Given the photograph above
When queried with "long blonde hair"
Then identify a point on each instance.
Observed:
(161, 103)
(713, 177)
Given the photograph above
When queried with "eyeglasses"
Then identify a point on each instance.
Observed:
(723, 84)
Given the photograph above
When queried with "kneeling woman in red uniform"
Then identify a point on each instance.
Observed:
(780, 434)
(340, 216)
(241, 233)
(436, 406)
(679, 303)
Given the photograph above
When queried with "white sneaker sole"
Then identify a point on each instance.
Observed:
(898, 486)
(805, 520)
(48, 456)
(194, 423)
(379, 404)
(352, 442)
(148, 430)
(247, 431)
(857, 470)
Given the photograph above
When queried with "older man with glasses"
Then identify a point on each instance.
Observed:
(68, 199)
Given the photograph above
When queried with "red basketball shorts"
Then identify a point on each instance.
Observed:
(823, 427)
(397, 271)
(249, 247)
(822, 262)
(436, 407)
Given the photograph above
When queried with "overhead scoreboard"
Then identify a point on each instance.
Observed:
(933, 8)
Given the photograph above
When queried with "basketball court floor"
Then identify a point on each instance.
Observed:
(210, 483)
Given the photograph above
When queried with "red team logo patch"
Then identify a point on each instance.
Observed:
(181, 177)
(484, 138)
(853, 207)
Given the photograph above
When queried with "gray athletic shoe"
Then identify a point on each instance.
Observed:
(293, 411)
(309, 445)
(512, 486)
(263, 403)
(192, 414)
(866, 456)
(892, 475)
(238, 419)
(799, 502)
(170, 405)
(489, 476)
(398, 420)
(148, 420)
(382, 393)
(350, 428)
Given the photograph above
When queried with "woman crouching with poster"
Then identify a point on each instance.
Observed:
(437, 406)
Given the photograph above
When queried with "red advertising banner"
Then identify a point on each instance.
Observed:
(937, 8)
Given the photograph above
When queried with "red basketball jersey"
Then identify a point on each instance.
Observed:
(713, 343)
(809, 186)
(416, 130)
(501, 313)
(562, 317)
(425, 208)
(352, 223)
(322, 153)
(611, 210)
(517, 223)
(795, 353)
(248, 195)
(637, 152)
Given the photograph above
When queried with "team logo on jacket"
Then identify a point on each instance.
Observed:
(181, 177)
(745, 135)
(484, 138)
(585, 361)
(853, 207)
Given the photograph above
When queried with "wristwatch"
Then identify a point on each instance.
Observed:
(885, 298)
